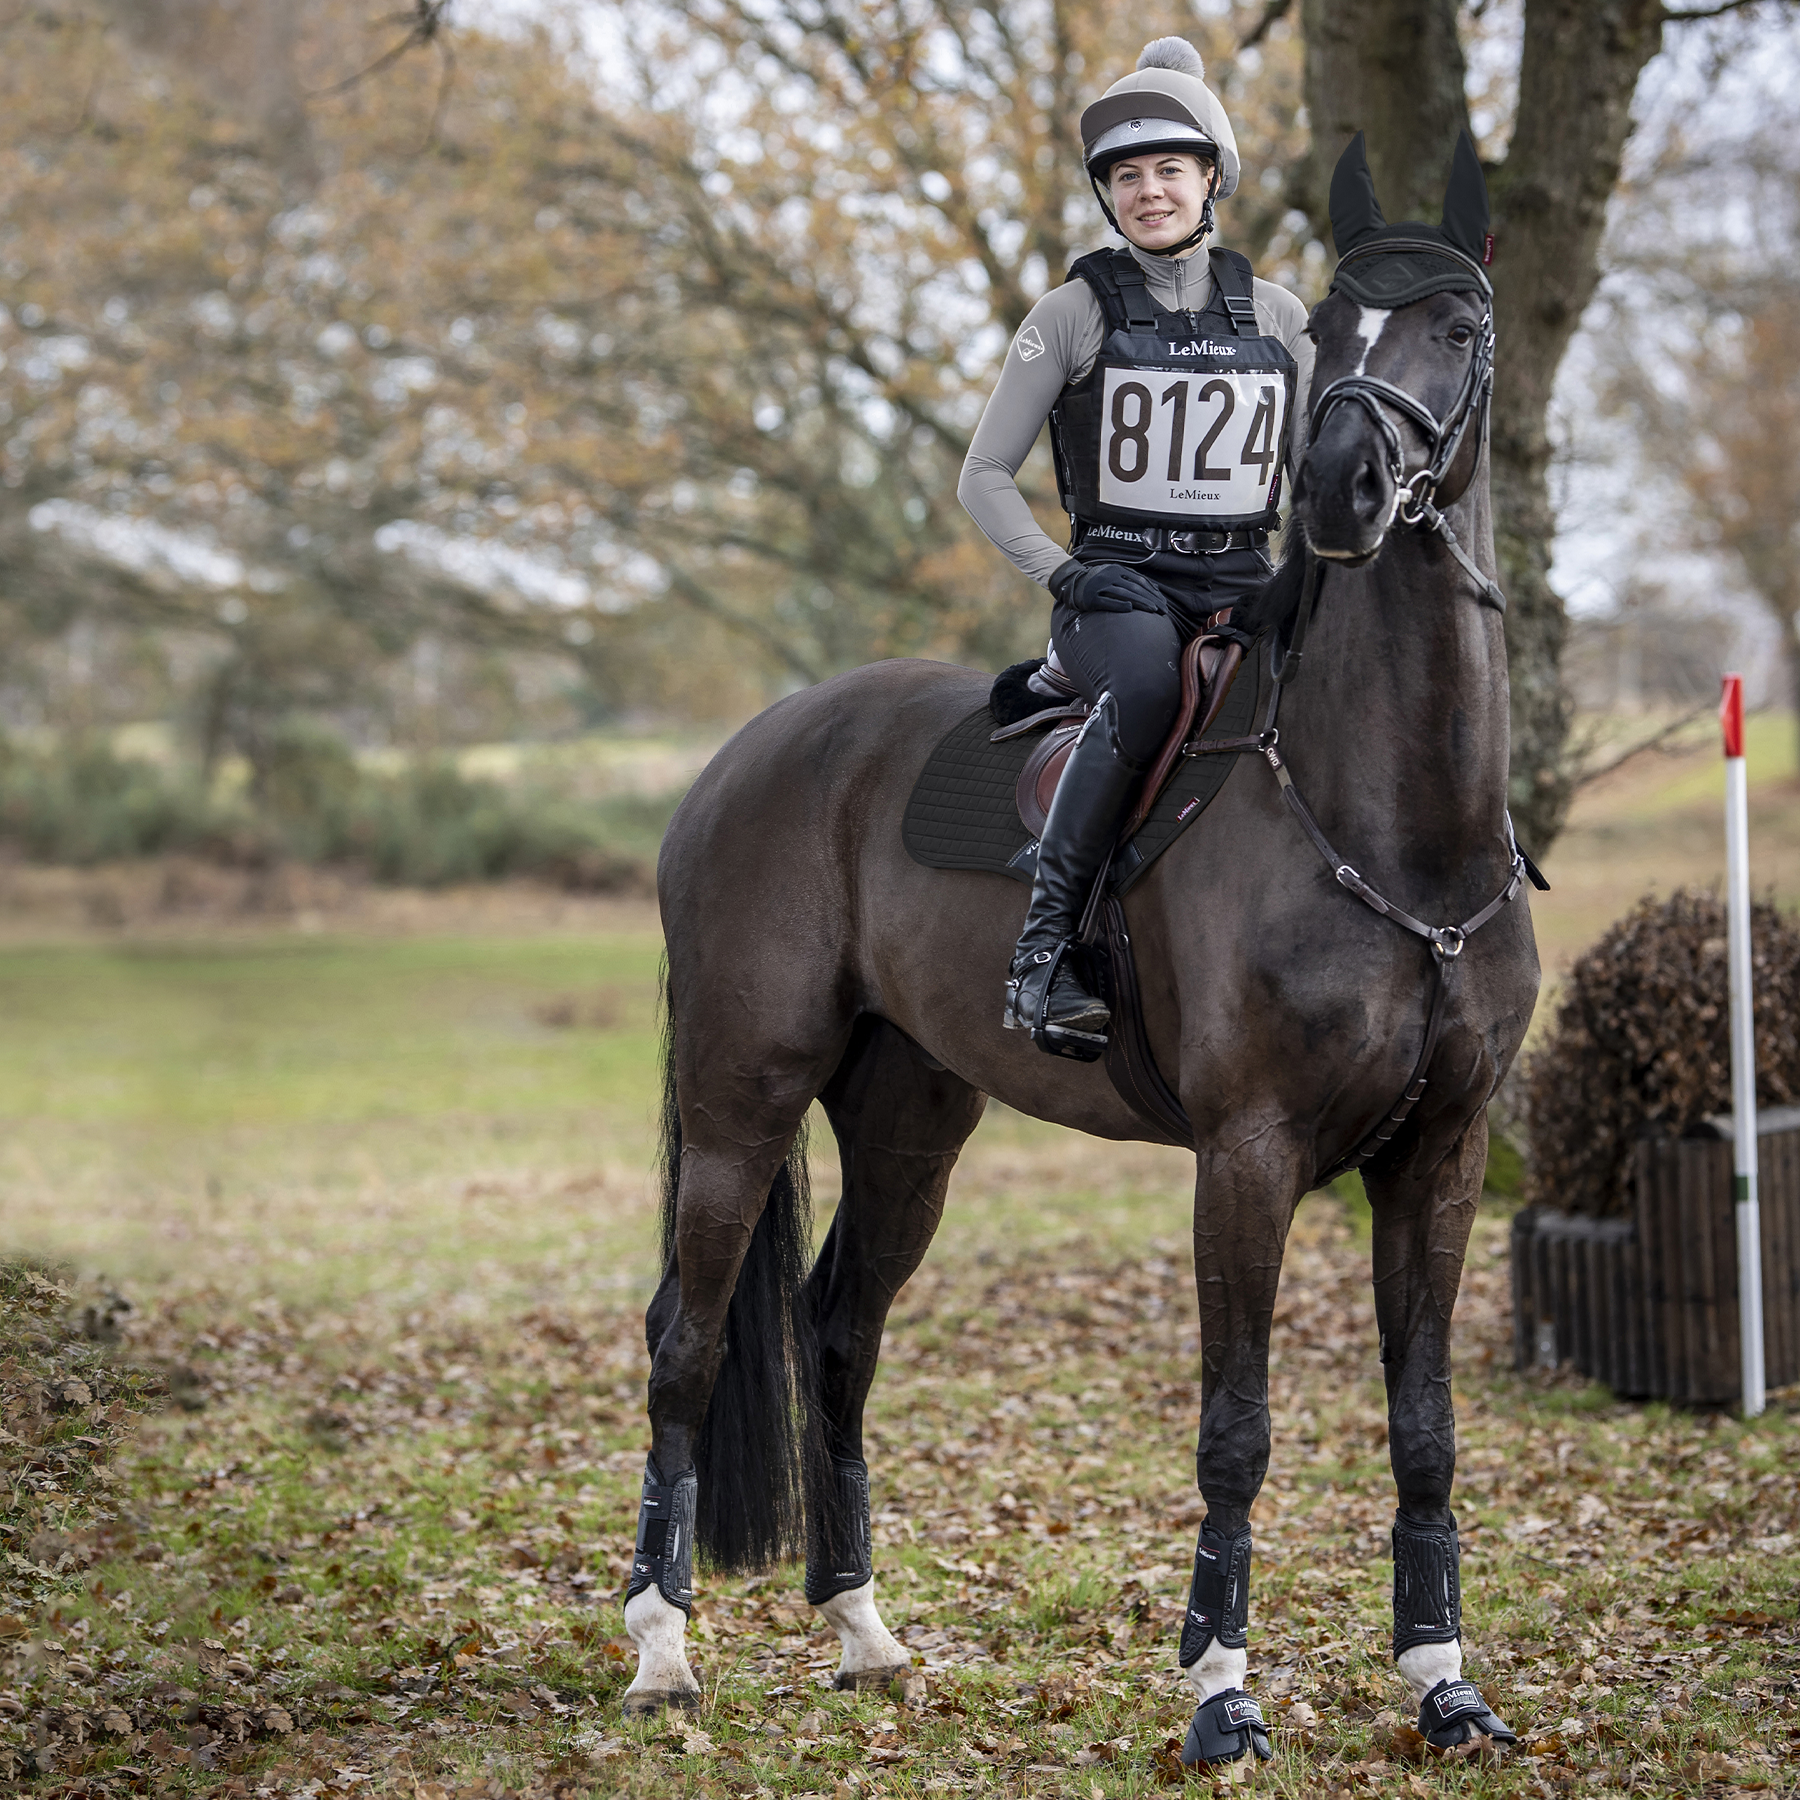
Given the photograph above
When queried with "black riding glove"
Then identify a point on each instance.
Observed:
(1105, 587)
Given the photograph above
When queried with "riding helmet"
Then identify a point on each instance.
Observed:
(1164, 104)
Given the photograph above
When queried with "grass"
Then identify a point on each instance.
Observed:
(377, 1183)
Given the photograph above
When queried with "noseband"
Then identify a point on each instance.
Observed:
(1415, 495)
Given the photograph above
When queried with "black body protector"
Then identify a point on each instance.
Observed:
(1179, 432)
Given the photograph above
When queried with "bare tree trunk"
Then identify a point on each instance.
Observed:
(1579, 71)
(1790, 650)
(1394, 68)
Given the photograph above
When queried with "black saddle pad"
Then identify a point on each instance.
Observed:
(962, 814)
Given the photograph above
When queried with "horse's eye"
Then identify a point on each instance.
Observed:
(1462, 334)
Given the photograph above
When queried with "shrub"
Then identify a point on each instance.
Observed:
(424, 826)
(432, 825)
(83, 804)
(1642, 1043)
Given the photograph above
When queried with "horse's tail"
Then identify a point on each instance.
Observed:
(759, 1435)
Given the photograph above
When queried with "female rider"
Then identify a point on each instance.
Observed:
(1169, 379)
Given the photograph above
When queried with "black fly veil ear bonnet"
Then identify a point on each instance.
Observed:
(1385, 265)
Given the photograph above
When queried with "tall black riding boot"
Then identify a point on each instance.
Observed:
(1044, 992)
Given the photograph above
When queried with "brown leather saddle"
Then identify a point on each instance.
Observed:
(1208, 665)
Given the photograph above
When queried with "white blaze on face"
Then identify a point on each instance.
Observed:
(1369, 323)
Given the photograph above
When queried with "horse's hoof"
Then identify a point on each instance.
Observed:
(856, 1681)
(1226, 1729)
(654, 1702)
(1455, 1721)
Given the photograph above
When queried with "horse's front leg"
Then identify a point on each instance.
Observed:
(1244, 1201)
(1421, 1232)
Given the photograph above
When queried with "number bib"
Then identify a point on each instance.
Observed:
(1182, 423)
(1196, 445)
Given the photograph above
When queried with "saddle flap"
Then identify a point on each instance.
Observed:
(1042, 771)
(1208, 666)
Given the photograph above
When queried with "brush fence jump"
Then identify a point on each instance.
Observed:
(1647, 1302)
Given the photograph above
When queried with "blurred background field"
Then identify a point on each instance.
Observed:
(335, 1086)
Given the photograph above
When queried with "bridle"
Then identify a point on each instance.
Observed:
(1415, 496)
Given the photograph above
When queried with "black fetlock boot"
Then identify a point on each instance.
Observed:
(1045, 994)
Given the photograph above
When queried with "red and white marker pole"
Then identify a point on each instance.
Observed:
(1743, 1049)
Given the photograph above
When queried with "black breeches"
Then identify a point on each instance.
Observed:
(1136, 656)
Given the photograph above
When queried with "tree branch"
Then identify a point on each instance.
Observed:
(703, 599)
(1655, 741)
(1273, 12)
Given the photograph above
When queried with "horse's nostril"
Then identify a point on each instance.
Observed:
(1366, 494)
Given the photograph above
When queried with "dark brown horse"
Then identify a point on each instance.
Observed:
(811, 959)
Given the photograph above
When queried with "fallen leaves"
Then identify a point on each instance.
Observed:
(447, 1575)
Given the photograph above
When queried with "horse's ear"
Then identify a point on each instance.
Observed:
(1465, 201)
(1355, 211)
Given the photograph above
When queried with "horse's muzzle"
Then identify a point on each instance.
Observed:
(1344, 492)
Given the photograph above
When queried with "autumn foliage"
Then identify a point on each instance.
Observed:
(1642, 1043)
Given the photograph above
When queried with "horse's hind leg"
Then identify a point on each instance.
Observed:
(725, 1377)
(899, 1124)
(1421, 1232)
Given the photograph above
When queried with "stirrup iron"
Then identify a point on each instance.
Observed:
(1057, 1040)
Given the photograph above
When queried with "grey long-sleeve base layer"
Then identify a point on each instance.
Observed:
(1057, 344)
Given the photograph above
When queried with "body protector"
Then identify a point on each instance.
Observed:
(1182, 424)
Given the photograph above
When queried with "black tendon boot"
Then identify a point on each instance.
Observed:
(665, 1540)
(1428, 1610)
(1044, 991)
(1230, 1725)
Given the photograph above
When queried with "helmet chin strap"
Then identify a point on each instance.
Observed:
(1197, 236)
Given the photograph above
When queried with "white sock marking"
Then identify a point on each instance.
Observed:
(1369, 323)
(869, 1647)
(659, 1630)
(1425, 1665)
(1217, 1672)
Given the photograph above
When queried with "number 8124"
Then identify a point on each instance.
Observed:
(1198, 445)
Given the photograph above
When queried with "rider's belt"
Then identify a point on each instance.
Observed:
(1210, 543)
(1146, 540)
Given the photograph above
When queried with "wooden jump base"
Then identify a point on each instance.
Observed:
(1648, 1302)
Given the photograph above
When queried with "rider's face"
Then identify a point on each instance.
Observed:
(1158, 198)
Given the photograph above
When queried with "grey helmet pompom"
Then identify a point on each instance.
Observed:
(1172, 53)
